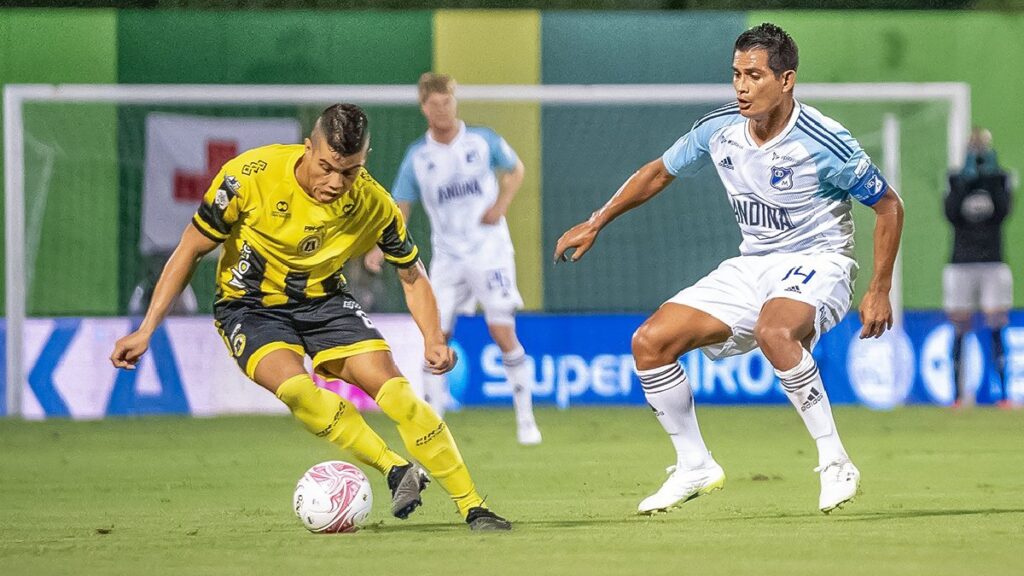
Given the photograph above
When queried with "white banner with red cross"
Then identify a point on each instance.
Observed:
(183, 155)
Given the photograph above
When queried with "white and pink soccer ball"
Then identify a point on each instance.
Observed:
(333, 497)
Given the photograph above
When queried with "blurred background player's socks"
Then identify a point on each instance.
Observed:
(517, 371)
(999, 357)
(435, 390)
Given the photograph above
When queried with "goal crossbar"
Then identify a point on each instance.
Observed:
(956, 94)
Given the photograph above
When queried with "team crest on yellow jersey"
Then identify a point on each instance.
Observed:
(310, 244)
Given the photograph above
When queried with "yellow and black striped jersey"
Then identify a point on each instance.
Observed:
(282, 246)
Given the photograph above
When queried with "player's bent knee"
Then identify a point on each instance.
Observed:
(768, 336)
(652, 347)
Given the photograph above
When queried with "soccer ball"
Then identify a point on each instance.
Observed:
(333, 497)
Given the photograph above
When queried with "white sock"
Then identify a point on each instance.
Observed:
(669, 394)
(806, 391)
(517, 371)
(435, 391)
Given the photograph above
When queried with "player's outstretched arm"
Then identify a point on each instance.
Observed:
(509, 183)
(175, 276)
(419, 297)
(875, 308)
(643, 185)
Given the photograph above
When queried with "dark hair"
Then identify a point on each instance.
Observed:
(345, 127)
(782, 52)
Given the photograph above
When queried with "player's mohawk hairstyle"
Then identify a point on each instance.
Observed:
(345, 127)
(782, 51)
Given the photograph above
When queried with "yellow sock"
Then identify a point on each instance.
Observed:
(427, 438)
(329, 416)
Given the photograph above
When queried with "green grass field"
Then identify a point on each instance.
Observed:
(943, 494)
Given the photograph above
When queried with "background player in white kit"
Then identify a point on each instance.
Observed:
(789, 172)
(466, 178)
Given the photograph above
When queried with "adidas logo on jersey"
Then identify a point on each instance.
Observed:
(727, 163)
(794, 289)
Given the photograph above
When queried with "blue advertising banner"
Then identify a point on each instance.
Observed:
(585, 359)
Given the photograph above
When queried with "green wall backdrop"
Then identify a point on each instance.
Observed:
(575, 157)
(682, 234)
(71, 228)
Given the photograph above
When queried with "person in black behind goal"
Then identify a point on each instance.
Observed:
(977, 276)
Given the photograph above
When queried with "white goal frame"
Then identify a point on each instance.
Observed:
(956, 95)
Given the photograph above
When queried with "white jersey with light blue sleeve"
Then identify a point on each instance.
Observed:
(406, 187)
(457, 183)
(790, 194)
(687, 156)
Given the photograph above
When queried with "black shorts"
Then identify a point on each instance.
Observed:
(325, 328)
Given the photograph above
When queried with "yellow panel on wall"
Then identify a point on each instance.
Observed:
(488, 46)
(503, 47)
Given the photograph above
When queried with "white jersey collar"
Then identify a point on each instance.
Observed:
(458, 136)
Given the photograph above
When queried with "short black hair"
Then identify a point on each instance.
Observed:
(782, 51)
(345, 127)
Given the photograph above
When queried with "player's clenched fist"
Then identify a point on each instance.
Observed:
(580, 238)
(129, 349)
(440, 358)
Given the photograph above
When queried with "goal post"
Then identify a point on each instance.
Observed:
(954, 97)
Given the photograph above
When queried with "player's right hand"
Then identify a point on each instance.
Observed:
(129, 349)
(579, 238)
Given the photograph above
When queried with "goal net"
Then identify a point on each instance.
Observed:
(100, 180)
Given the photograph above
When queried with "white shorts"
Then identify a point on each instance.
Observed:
(986, 286)
(487, 279)
(735, 292)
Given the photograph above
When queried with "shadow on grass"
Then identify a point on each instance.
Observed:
(852, 516)
(458, 527)
(518, 524)
(901, 514)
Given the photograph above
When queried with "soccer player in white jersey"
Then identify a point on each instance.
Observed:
(466, 178)
(790, 174)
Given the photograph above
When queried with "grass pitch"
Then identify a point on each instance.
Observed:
(943, 494)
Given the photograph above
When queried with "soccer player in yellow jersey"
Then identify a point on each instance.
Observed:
(288, 218)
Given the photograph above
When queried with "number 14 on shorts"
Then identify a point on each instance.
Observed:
(799, 271)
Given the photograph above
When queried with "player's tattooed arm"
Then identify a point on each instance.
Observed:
(411, 274)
